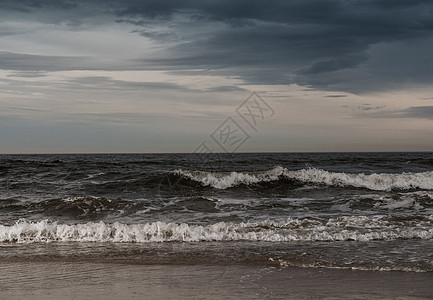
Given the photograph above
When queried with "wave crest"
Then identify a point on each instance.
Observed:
(356, 228)
(375, 181)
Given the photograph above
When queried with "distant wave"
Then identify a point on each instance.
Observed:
(378, 182)
(348, 228)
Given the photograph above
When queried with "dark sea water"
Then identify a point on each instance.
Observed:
(371, 211)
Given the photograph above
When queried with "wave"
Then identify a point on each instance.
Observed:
(376, 181)
(348, 228)
(94, 208)
(81, 206)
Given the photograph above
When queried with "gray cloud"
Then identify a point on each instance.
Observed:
(336, 96)
(36, 63)
(30, 74)
(420, 112)
(106, 83)
(16, 108)
(354, 46)
(335, 64)
(226, 88)
(414, 112)
(323, 44)
(31, 5)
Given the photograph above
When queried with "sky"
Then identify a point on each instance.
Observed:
(111, 76)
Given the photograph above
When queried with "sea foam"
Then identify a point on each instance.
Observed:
(375, 181)
(356, 228)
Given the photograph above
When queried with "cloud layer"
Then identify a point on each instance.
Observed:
(324, 44)
(160, 74)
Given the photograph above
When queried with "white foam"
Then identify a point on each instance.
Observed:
(227, 180)
(86, 199)
(284, 263)
(415, 201)
(357, 228)
(376, 181)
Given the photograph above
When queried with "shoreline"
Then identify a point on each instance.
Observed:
(115, 280)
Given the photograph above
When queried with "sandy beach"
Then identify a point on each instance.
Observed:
(90, 280)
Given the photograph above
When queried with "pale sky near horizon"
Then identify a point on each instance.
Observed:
(92, 76)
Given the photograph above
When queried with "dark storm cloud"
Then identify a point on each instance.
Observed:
(325, 44)
(31, 5)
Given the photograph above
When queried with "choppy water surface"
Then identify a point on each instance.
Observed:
(334, 210)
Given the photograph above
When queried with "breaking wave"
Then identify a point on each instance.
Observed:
(376, 181)
(348, 228)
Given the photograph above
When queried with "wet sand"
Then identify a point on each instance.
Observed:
(90, 280)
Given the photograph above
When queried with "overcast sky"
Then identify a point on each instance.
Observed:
(170, 75)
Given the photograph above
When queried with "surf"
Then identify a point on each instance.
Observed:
(375, 181)
(348, 228)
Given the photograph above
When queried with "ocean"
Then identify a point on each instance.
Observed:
(356, 211)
